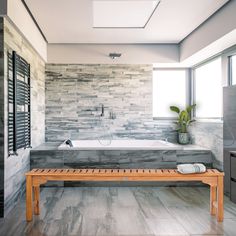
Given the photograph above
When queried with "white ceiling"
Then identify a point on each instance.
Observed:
(122, 14)
(71, 21)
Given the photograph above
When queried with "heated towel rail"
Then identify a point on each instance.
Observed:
(19, 135)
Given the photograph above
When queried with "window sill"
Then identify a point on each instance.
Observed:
(198, 120)
(165, 118)
(217, 121)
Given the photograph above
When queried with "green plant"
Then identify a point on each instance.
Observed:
(184, 118)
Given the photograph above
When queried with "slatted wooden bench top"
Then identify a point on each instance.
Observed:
(118, 172)
(36, 177)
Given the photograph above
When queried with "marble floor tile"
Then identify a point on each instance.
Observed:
(166, 227)
(183, 196)
(149, 204)
(121, 211)
(196, 220)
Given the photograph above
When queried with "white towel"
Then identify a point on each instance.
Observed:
(191, 168)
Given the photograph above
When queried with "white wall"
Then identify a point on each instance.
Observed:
(20, 17)
(213, 36)
(90, 53)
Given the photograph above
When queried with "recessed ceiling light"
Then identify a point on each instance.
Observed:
(123, 14)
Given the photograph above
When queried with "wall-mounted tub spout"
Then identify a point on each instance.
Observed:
(68, 142)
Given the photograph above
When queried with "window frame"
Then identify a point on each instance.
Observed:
(193, 95)
(188, 88)
(230, 74)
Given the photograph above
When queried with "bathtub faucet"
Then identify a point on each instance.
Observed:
(102, 114)
(68, 142)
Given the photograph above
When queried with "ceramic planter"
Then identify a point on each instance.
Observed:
(183, 138)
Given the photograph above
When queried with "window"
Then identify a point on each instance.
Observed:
(169, 88)
(233, 70)
(208, 90)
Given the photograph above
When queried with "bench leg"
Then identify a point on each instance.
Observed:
(29, 210)
(212, 200)
(220, 199)
(36, 200)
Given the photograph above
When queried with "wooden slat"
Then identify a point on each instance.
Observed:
(109, 171)
(96, 171)
(114, 171)
(140, 171)
(89, 171)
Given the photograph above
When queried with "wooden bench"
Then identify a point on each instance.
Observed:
(36, 177)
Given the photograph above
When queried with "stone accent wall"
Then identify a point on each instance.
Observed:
(75, 92)
(210, 135)
(1, 119)
(16, 166)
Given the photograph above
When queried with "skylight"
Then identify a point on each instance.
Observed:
(123, 14)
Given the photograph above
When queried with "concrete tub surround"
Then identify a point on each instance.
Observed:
(75, 92)
(48, 156)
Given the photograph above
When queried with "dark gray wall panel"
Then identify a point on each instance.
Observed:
(1, 119)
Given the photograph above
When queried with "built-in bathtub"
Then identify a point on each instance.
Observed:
(120, 145)
(119, 154)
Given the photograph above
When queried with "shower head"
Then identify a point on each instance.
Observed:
(114, 55)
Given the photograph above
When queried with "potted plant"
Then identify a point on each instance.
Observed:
(183, 122)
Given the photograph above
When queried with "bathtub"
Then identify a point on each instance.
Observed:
(120, 145)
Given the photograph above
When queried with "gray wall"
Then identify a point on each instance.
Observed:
(229, 132)
(209, 135)
(3, 8)
(16, 166)
(98, 53)
(229, 97)
(1, 120)
(74, 94)
(19, 16)
(220, 24)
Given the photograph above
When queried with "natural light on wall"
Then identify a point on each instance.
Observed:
(208, 90)
(169, 88)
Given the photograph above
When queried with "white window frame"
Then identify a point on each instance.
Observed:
(230, 78)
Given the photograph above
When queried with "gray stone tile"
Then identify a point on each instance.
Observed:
(16, 166)
(119, 212)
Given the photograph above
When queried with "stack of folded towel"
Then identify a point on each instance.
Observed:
(191, 168)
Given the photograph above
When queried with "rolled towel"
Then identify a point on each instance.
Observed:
(191, 168)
